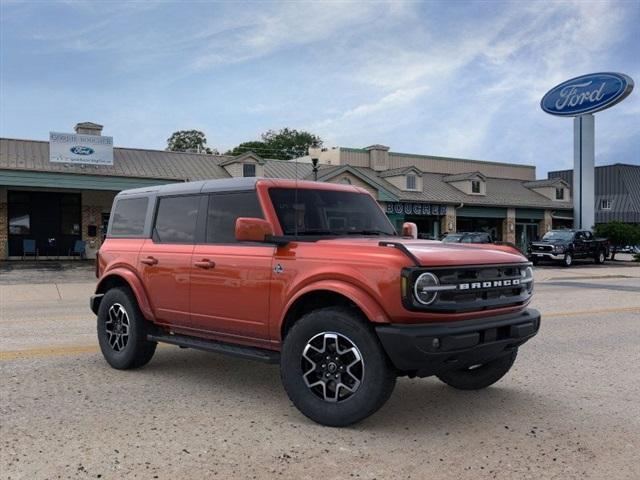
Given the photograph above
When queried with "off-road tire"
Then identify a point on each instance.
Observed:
(481, 376)
(137, 351)
(378, 376)
(600, 257)
(567, 261)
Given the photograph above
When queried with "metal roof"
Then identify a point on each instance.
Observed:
(463, 176)
(620, 184)
(394, 172)
(33, 155)
(287, 169)
(547, 182)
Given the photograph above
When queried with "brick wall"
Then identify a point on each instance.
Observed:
(448, 221)
(509, 226)
(94, 204)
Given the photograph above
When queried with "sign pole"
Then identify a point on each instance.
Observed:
(583, 171)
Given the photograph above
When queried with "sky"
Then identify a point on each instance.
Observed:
(446, 78)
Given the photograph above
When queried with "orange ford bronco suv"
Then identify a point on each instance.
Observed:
(314, 277)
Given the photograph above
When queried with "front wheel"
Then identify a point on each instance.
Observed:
(479, 376)
(122, 331)
(568, 260)
(334, 369)
(600, 257)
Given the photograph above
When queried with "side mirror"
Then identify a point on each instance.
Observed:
(409, 229)
(252, 229)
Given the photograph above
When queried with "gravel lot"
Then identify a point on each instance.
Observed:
(568, 409)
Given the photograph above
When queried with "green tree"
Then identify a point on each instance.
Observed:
(259, 148)
(188, 141)
(283, 144)
(619, 234)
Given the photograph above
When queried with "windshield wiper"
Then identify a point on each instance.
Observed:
(319, 232)
(369, 232)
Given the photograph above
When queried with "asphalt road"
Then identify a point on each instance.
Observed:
(570, 407)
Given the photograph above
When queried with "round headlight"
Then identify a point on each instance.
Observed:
(424, 288)
(560, 248)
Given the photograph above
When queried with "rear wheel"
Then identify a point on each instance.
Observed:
(334, 369)
(479, 376)
(122, 331)
(600, 257)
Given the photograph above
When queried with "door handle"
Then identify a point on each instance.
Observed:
(206, 264)
(149, 261)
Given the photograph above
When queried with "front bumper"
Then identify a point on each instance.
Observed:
(547, 255)
(428, 349)
(94, 302)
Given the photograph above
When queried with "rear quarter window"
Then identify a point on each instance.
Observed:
(129, 216)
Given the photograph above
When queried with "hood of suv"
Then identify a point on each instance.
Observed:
(434, 253)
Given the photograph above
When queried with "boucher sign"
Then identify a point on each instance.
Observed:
(416, 208)
(80, 149)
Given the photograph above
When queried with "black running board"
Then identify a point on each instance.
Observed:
(250, 353)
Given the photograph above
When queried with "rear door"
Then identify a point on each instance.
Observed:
(165, 259)
(230, 280)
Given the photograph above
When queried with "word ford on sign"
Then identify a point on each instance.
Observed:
(571, 95)
(587, 94)
(80, 150)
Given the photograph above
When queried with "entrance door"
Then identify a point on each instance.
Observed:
(230, 281)
(526, 233)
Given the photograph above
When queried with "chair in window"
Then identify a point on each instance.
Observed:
(79, 248)
(29, 248)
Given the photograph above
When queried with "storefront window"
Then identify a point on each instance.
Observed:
(19, 220)
(19, 217)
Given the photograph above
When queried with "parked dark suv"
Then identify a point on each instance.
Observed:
(311, 276)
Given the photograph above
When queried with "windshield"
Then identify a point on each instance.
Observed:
(558, 235)
(452, 238)
(328, 212)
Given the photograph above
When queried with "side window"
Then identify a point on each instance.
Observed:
(128, 217)
(224, 209)
(176, 219)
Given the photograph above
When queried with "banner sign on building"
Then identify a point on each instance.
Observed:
(80, 149)
(415, 208)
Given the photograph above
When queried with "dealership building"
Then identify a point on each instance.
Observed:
(52, 199)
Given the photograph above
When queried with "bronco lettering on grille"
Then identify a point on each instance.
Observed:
(492, 284)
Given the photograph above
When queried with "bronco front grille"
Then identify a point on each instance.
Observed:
(473, 288)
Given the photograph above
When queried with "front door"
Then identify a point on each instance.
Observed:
(165, 259)
(230, 281)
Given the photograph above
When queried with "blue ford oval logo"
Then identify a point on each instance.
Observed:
(587, 94)
(79, 150)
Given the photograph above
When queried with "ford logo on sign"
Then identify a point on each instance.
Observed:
(79, 150)
(587, 94)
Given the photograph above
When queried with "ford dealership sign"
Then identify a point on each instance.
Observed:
(587, 94)
(80, 149)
